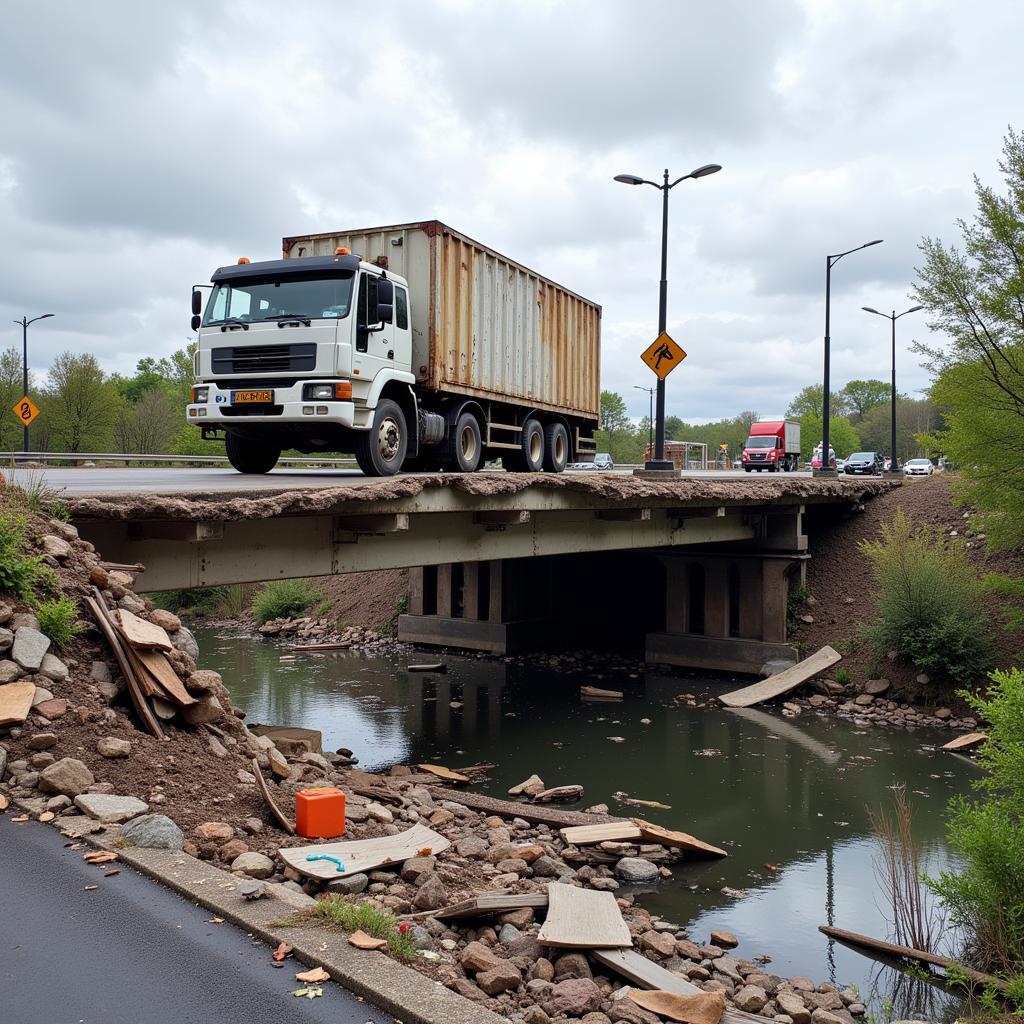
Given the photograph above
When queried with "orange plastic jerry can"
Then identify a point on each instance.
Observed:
(320, 813)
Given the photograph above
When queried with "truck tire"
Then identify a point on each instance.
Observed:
(532, 440)
(251, 456)
(556, 448)
(465, 446)
(380, 451)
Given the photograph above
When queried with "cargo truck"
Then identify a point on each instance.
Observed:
(772, 445)
(412, 346)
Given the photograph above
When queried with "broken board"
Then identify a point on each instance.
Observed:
(140, 633)
(261, 785)
(582, 919)
(494, 903)
(782, 682)
(590, 835)
(157, 666)
(15, 702)
(680, 840)
(538, 815)
(965, 742)
(364, 854)
(443, 773)
(434, 666)
(596, 693)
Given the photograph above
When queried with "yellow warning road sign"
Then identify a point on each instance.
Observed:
(26, 410)
(663, 355)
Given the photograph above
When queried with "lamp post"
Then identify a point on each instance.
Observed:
(650, 416)
(24, 321)
(830, 262)
(659, 461)
(894, 316)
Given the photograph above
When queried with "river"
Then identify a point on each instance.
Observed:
(788, 798)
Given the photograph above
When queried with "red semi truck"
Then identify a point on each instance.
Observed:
(772, 445)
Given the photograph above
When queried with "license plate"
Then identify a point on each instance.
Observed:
(252, 397)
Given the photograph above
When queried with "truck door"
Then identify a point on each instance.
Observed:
(375, 342)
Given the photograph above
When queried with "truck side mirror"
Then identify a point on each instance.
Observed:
(196, 321)
(197, 303)
(385, 293)
(385, 313)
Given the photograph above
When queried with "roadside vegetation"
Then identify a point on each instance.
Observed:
(284, 599)
(202, 602)
(335, 912)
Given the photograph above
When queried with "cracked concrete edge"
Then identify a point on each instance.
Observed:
(409, 996)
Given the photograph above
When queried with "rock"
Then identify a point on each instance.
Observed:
(185, 642)
(100, 672)
(111, 746)
(23, 620)
(519, 918)
(6, 639)
(468, 990)
(6, 611)
(807, 619)
(416, 869)
(252, 890)
(574, 998)
(774, 666)
(724, 940)
(824, 1017)
(204, 680)
(280, 767)
(206, 709)
(42, 741)
(51, 709)
(500, 978)
(10, 671)
(420, 937)
(572, 965)
(876, 687)
(214, 832)
(255, 865)
(58, 804)
(508, 934)
(378, 812)
(596, 1018)
(542, 970)
(68, 776)
(471, 846)
(29, 648)
(133, 604)
(432, 895)
(637, 871)
(625, 1011)
(110, 810)
(547, 867)
(943, 714)
(922, 679)
(56, 546)
(531, 787)
(232, 848)
(793, 1006)
(535, 1015)
(165, 620)
(440, 818)
(662, 943)
(751, 998)
(478, 957)
(41, 695)
(153, 832)
(801, 984)
(350, 885)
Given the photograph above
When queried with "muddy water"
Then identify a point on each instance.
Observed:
(789, 793)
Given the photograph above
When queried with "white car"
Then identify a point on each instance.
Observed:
(918, 467)
(840, 465)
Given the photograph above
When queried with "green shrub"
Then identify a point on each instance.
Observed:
(930, 601)
(985, 894)
(843, 676)
(282, 599)
(58, 619)
(196, 601)
(19, 571)
(402, 604)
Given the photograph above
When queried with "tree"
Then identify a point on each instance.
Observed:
(149, 426)
(842, 436)
(11, 384)
(976, 299)
(81, 404)
(862, 395)
(809, 401)
(914, 417)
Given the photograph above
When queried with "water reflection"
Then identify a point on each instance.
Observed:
(786, 797)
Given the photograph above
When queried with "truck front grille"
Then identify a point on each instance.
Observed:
(263, 358)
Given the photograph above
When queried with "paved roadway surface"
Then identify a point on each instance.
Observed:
(163, 480)
(131, 951)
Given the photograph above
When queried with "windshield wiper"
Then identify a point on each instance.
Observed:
(229, 324)
(290, 318)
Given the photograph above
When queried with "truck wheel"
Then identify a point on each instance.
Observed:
(556, 448)
(465, 453)
(251, 456)
(380, 451)
(532, 440)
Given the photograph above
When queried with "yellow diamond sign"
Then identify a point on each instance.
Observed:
(26, 410)
(663, 355)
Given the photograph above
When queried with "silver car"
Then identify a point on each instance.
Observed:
(918, 467)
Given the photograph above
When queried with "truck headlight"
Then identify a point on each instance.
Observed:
(326, 392)
(200, 395)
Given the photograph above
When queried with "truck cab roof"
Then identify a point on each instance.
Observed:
(344, 264)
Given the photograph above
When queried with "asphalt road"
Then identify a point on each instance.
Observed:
(131, 951)
(164, 480)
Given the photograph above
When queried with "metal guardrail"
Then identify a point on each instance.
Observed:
(13, 458)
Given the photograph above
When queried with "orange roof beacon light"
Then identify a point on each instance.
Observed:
(343, 250)
(243, 259)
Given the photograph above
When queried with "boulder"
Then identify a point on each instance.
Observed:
(574, 998)
(572, 965)
(214, 832)
(661, 943)
(99, 672)
(110, 810)
(206, 709)
(792, 1005)
(56, 546)
(751, 998)
(416, 869)
(165, 620)
(255, 865)
(6, 639)
(471, 846)
(10, 671)
(477, 957)
(531, 787)
(185, 642)
(724, 940)
(204, 680)
(637, 871)
(824, 1017)
(68, 776)
(350, 885)
(111, 746)
(29, 648)
(876, 687)
(432, 895)
(153, 832)
(502, 977)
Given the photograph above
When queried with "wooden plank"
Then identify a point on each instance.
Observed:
(582, 919)
(147, 684)
(965, 742)
(892, 949)
(782, 682)
(705, 1008)
(434, 666)
(533, 813)
(162, 671)
(443, 773)
(140, 633)
(590, 835)
(488, 903)
(681, 840)
(261, 785)
(596, 693)
(363, 854)
(319, 647)
(16, 702)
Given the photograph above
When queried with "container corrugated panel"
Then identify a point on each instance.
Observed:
(482, 324)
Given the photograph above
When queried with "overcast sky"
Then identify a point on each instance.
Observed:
(143, 145)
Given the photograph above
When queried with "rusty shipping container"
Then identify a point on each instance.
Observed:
(482, 324)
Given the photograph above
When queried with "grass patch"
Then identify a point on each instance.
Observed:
(20, 572)
(843, 676)
(201, 602)
(283, 599)
(58, 619)
(335, 912)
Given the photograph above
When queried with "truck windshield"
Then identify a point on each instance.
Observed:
(761, 441)
(251, 299)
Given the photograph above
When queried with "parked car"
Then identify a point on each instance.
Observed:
(581, 466)
(918, 467)
(866, 463)
(602, 460)
(840, 465)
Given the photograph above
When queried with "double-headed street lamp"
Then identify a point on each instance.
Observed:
(826, 411)
(659, 461)
(894, 316)
(24, 321)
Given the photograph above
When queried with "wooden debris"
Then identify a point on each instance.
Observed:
(384, 796)
(135, 567)
(16, 702)
(99, 857)
(261, 785)
(161, 670)
(965, 742)
(314, 976)
(920, 955)
(514, 809)
(361, 940)
(491, 903)
(590, 835)
(140, 633)
(582, 919)
(782, 682)
(655, 805)
(682, 840)
(563, 794)
(706, 1008)
(308, 648)
(596, 693)
(443, 773)
(434, 666)
(362, 854)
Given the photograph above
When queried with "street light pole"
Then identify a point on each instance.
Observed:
(650, 417)
(892, 400)
(826, 410)
(659, 462)
(24, 321)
